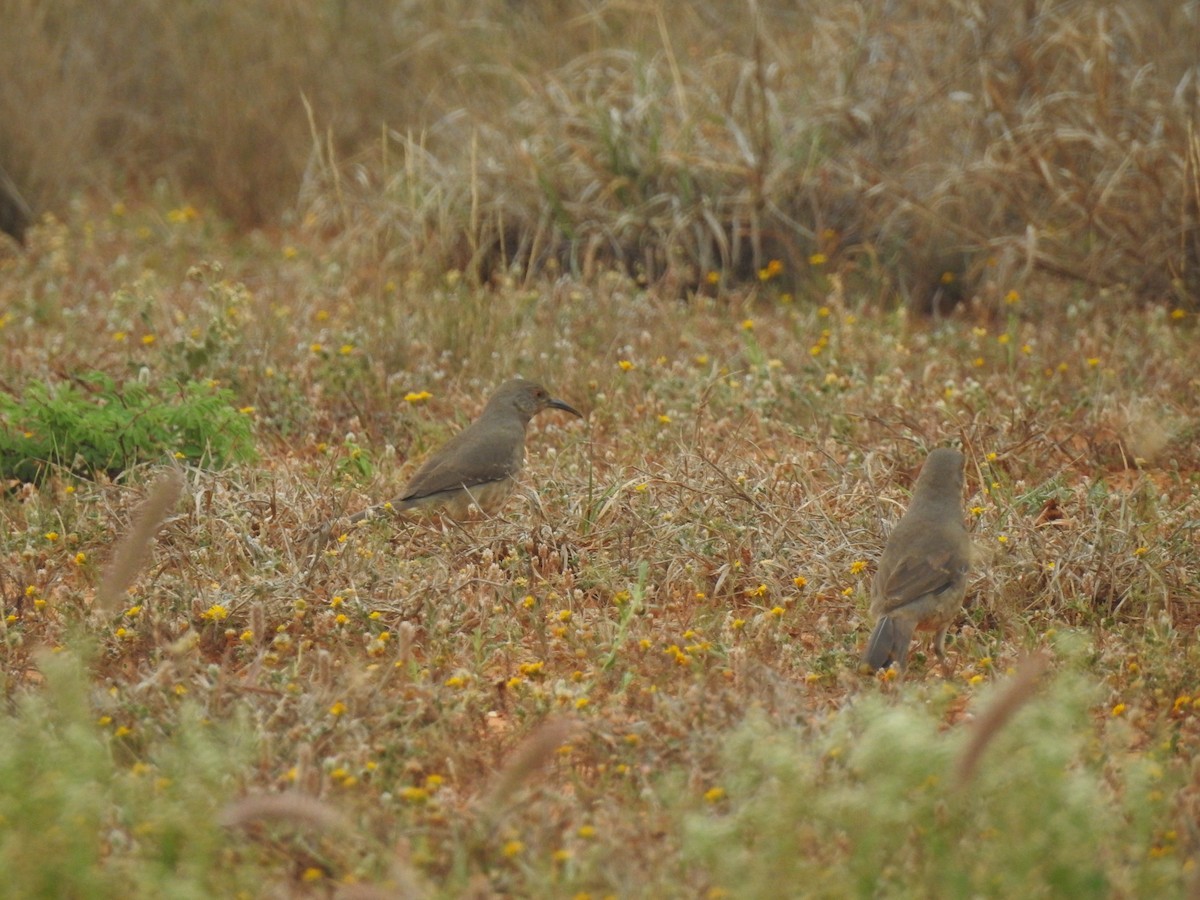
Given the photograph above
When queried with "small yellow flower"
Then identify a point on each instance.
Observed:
(777, 612)
(817, 259)
(582, 703)
(770, 270)
(247, 410)
(215, 613)
(1012, 298)
(564, 615)
(858, 566)
(625, 365)
(747, 324)
(947, 278)
(737, 624)
(1178, 313)
(119, 336)
(182, 214)
(1119, 709)
(51, 536)
(346, 349)
(760, 591)
(148, 339)
(799, 581)
(823, 312)
(587, 832)
(1003, 538)
(312, 873)
(1141, 551)
(513, 848)
(713, 277)
(664, 419)
(456, 681)
(315, 347)
(714, 794)
(1093, 361)
(338, 709)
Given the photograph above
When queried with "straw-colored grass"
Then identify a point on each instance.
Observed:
(652, 656)
(923, 151)
(642, 679)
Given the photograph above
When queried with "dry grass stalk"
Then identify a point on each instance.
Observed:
(524, 762)
(131, 552)
(1017, 692)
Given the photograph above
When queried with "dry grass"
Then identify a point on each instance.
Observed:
(687, 567)
(642, 679)
(920, 151)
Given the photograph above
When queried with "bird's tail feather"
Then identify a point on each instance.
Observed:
(888, 642)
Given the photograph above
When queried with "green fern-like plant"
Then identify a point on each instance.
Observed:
(94, 424)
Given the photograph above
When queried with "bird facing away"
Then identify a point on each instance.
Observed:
(479, 465)
(922, 576)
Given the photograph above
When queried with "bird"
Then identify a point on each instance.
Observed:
(479, 465)
(922, 576)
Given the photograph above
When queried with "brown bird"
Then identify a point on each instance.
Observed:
(922, 575)
(479, 465)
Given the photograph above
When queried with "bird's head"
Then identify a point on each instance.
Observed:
(528, 398)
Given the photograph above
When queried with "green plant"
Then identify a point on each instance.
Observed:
(871, 802)
(96, 424)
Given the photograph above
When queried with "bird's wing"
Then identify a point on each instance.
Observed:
(470, 459)
(915, 576)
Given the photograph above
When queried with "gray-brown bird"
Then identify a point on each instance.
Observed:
(922, 576)
(478, 467)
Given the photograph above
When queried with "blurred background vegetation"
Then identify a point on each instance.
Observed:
(922, 150)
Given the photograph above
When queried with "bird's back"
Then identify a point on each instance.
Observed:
(490, 449)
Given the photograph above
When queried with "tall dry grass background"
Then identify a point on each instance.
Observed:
(909, 142)
(715, 228)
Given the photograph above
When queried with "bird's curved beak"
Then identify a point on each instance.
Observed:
(565, 407)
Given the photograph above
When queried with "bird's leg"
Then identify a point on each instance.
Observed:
(939, 647)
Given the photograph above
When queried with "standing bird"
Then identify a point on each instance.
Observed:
(479, 465)
(922, 576)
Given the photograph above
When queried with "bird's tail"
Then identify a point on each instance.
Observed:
(889, 642)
